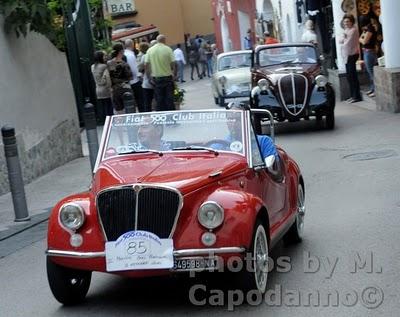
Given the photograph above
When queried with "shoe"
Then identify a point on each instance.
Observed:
(354, 100)
(183, 81)
(192, 78)
(371, 94)
(349, 100)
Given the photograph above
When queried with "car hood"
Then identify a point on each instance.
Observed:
(184, 172)
(237, 75)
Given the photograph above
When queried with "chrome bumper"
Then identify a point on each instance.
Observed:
(177, 253)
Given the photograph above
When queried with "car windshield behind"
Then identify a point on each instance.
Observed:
(287, 55)
(157, 132)
(234, 61)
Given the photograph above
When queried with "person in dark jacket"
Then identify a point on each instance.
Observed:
(193, 59)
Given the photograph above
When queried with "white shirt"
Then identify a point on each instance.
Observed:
(131, 59)
(309, 36)
(179, 55)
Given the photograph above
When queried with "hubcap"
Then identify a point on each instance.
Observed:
(261, 259)
(301, 209)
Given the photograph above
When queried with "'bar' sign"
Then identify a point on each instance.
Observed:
(116, 7)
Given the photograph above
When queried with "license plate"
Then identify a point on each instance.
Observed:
(195, 263)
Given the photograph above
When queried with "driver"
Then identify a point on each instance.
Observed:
(150, 136)
(302, 56)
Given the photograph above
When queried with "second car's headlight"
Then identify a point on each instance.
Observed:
(72, 216)
(321, 81)
(222, 80)
(263, 84)
(210, 215)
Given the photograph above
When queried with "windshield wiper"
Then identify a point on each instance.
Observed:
(141, 151)
(195, 148)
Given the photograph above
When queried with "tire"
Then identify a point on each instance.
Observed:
(216, 100)
(69, 286)
(330, 121)
(295, 233)
(221, 101)
(256, 278)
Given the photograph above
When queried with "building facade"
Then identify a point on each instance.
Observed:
(173, 18)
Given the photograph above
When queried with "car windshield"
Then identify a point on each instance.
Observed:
(234, 61)
(287, 55)
(157, 132)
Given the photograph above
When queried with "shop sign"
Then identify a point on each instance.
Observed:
(118, 7)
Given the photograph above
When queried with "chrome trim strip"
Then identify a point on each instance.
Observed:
(295, 113)
(140, 186)
(104, 137)
(177, 253)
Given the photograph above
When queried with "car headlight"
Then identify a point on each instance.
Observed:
(263, 84)
(222, 80)
(321, 81)
(72, 216)
(210, 215)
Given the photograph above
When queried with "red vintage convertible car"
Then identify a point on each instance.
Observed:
(173, 192)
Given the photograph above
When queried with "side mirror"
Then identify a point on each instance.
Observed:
(269, 161)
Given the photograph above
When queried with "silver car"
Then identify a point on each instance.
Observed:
(232, 78)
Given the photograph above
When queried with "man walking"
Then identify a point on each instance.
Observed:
(180, 62)
(160, 67)
(135, 82)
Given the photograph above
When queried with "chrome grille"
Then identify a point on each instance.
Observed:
(153, 209)
(293, 90)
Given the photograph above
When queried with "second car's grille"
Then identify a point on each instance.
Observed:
(148, 208)
(293, 90)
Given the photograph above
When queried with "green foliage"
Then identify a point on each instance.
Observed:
(46, 17)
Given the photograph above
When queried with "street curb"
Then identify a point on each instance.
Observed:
(20, 227)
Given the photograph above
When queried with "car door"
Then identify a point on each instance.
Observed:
(273, 182)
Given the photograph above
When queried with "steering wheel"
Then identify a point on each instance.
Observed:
(218, 144)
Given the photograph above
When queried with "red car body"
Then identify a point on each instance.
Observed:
(247, 194)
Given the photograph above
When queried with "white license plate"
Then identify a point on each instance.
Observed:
(195, 263)
(139, 250)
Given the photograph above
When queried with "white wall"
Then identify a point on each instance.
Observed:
(35, 87)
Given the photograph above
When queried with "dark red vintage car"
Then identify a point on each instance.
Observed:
(287, 81)
(173, 192)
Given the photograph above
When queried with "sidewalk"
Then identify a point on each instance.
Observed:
(43, 193)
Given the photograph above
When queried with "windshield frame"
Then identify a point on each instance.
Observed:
(261, 48)
(101, 157)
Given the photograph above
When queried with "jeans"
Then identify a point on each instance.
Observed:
(193, 66)
(352, 78)
(210, 66)
(181, 67)
(164, 93)
(370, 61)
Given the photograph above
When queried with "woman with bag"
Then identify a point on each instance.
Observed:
(102, 79)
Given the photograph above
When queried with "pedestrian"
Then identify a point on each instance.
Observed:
(248, 42)
(148, 88)
(135, 83)
(209, 53)
(350, 52)
(368, 41)
(121, 75)
(268, 39)
(309, 35)
(193, 62)
(102, 79)
(160, 67)
(180, 62)
(203, 60)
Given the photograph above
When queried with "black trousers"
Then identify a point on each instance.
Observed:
(352, 77)
(164, 93)
(148, 95)
(138, 95)
(194, 66)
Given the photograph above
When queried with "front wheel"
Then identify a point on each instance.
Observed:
(69, 286)
(216, 100)
(295, 233)
(255, 277)
(221, 101)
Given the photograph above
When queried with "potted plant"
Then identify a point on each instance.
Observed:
(179, 96)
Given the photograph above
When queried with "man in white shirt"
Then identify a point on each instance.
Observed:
(180, 61)
(135, 82)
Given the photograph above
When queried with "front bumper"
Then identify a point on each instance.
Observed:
(177, 253)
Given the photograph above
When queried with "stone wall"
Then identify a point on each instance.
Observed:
(387, 89)
(37, 99)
